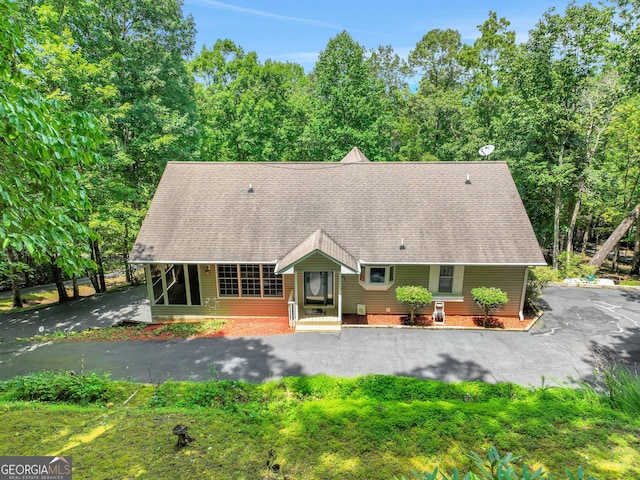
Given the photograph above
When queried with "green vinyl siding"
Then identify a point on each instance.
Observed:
(377, 301)
(507, 278)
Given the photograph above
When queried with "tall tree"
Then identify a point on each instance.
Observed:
(124, 62)
(248, 109)
(350, 106)
(44, 148)
(436, 121)
(550, 75)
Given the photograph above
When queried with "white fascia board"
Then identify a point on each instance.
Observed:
(457, 263)
(343, 268)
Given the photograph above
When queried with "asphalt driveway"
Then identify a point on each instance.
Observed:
(576, 322)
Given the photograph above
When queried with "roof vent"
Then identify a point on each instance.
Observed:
(402, 245)
(468, 180)
(250, 189)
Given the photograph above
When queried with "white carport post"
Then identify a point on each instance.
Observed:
(147, 274)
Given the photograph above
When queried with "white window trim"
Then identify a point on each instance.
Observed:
(366, 283)
(434, 281)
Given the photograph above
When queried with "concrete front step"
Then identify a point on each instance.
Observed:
(318, 326)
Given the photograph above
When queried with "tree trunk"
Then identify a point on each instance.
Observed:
(15, 280)
(97, 277)
(556, 227)
(635, 268)
(585, 237)
(614, 260)
(615, 237)
(574, 219)
(98, 259)
(127, 269)
(76, 289)
(93, 278)
(63, 296)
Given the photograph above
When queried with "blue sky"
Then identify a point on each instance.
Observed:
(297, 30)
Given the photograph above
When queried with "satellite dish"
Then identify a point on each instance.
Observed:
(486, 150)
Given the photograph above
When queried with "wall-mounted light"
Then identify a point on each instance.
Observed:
(402, 245)
(207, 269)
(250, 188)
(468, 180)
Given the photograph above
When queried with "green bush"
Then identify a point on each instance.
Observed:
(496, 467)
(539, 277)
(489, 299)
(570, 265)
(415, 297)
(66, 386)
(226, 395)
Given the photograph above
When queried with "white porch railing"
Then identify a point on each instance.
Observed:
(293, 310)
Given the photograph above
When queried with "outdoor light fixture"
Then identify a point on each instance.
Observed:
(402, 245)
(468, 180)
(250, 189)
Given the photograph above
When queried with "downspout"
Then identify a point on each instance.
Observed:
(524, 293)
(295, 293)
(340, 296)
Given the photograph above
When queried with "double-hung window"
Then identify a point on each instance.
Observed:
(446, 280)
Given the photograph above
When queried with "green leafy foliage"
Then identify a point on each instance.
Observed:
(66, 386)
(539, 277)
(415, 296)
(571, 265)
(44, 148)
(489, 299)
(497, 467)
(372, 427)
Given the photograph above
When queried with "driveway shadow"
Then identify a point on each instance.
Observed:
(451, 369)
(155, 361)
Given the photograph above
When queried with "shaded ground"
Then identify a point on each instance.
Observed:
(576, 322)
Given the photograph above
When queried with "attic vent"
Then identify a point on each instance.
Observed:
(250, 189)
(468, 180)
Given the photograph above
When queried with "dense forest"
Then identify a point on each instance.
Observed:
(96, 96)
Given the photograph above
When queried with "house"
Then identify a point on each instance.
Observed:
(314, 241)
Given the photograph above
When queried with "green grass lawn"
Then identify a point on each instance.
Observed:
(372, 427)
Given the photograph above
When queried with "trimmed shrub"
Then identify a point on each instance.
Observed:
(415, 297)
(489, 299)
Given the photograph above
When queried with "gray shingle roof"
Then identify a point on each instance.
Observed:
(204, 213)
(318, 242)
